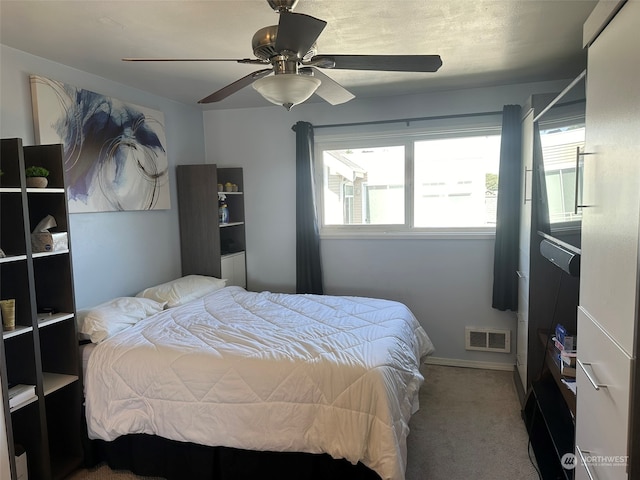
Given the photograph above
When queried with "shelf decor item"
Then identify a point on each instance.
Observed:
(223, 212)
(36, 177)
(8, 308)
(42, 240)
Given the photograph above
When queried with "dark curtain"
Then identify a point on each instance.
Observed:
(308, 267)
(505, 263)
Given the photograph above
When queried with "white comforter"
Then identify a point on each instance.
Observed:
(265, 371)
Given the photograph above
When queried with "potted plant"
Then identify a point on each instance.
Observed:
(36, 176)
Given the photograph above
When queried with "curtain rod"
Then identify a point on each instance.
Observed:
(404, 120)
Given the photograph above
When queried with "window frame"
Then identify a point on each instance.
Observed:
(342, 138)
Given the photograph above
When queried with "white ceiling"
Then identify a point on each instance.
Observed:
(481, 42)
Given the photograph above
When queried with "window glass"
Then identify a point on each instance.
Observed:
(364, 186)
(456, 181)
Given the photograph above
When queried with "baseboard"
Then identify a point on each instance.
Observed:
(454, 362)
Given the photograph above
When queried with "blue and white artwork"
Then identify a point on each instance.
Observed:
(115, 153)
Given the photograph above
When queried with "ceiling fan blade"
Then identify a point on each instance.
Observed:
(391, 63)
(236, 86)
(236, 60)
(298, 32)
(330, 90)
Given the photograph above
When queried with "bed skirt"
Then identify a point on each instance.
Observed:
(149, 455)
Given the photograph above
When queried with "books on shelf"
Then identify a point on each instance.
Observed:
(563, 340)
(568, 358)
(562, 348)
(565, 360)
(570, 384)
(19, 394)
(566, 370)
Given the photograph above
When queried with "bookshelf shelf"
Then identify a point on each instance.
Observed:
(13, 258)
(24, 403)
(44, 320)
(55, 381)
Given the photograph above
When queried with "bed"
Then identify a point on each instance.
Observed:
(328, 376)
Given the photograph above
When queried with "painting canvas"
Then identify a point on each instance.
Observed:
(114, 152)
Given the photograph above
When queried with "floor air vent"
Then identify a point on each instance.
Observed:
(487, 339)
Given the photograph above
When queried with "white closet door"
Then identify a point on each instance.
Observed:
(611, 220)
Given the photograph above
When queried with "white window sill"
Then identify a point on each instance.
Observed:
(439, 234)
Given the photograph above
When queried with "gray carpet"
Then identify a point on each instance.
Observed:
(468, 427)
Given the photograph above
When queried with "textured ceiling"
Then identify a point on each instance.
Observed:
(481, 42)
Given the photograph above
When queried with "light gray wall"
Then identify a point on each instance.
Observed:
(447, 283)
(114, 253)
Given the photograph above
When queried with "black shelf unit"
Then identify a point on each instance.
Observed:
(549, 416)
(42, 350)
(551, 429)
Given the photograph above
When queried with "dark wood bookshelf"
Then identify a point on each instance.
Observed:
(42, 350)
(208, 246)
(549, 415)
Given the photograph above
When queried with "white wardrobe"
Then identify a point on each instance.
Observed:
(608, 381)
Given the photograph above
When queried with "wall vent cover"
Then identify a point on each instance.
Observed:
(487, 339)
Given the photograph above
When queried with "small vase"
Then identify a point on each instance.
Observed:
(37, 182)
(223, 214)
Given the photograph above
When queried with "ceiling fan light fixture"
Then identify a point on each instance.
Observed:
(287, 89)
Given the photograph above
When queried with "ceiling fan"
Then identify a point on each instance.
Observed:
(290, 50)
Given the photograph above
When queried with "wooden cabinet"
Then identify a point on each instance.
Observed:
(208, 245)
(41, 351)
(608, 410)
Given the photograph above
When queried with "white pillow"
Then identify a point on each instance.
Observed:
(106, 319)
(183, 290)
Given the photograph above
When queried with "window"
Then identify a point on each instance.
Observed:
(410, 182)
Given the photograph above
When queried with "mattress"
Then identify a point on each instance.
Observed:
(85, 352)
(266, 371)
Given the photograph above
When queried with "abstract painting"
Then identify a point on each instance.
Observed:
(115, 154)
